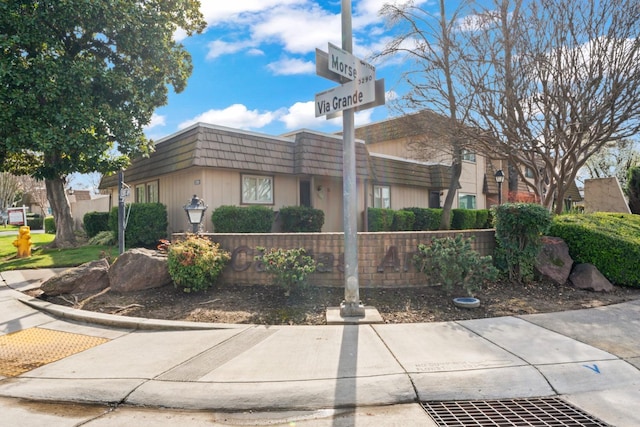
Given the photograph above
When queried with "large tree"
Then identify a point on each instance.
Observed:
(429, 41)
(559, 80)
(79, 77)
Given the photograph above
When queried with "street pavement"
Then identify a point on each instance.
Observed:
(60, 366)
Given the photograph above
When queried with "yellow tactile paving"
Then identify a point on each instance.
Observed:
(31, 348)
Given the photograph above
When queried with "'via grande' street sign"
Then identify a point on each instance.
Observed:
(349, 95)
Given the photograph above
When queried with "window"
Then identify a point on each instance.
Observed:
(469, 156)
(467, 201)
(147, 192)
(528, 172)
(257, 189)
(381, 197)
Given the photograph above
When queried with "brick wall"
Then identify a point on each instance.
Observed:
(384, 259)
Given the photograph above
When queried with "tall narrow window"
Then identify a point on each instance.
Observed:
(257, 189)
(141, 196)
(152, 192)
(381, 196)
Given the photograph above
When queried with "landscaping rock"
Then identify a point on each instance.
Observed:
(587, 276)
(138, 269)
(90, 277)
(554, 262)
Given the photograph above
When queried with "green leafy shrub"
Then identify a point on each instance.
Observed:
(146, 225)
(633, 189)
(49, 225)
(301, 219)
(379, 219)
(426, 218)
(35, 221)
(519, 228)
(451, 262)
(103, 238)
(288, 268)
(403, 220)
(195, 263)
(482, 219)
(233, 219)
(463, 219)
(95, 222)
(610, 241)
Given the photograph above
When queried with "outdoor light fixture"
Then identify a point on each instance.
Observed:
(195, 212)
(499, 176)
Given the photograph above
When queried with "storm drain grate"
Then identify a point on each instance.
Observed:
(538, 412)
(31, 348)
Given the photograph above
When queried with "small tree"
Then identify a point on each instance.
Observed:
(195, 263)
(288, 268)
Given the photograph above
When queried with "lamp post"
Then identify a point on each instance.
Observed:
(195, 212)
(499, 176)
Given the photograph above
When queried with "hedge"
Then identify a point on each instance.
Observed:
(610, 241)
(403, 221)
(146, 225)
(95, 222)
(234, 219)
(301, 219)
(426, 219)
(463, 219)
(379, 219)
(49, 225)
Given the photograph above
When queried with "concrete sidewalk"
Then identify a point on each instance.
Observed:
(590, 358)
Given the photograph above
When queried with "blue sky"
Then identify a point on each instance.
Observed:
(254, 66)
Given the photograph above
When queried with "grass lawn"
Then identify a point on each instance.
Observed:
(49, 258)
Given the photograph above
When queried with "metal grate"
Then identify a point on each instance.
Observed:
(31, 348)
(537, 412)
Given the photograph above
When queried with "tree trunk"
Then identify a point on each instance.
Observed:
(59, 203)
(456, 171)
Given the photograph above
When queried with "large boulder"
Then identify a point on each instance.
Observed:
(90, 277)
(139, 269)
(553, 261)
(587, 276)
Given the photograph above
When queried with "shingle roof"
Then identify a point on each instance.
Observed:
(399, 171)
(304, 153)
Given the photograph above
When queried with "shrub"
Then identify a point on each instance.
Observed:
(633, 189)
(104, 238)
(403, 220)
(463, 219)
(426, 218)
(519, 228)
(379, 219)
(35, 221)
(95, 222)
(288, 268)
(482, 219)
(300, 219)
(233, 219)
(195, 263)
(146, 224)
(610, 241)
(451, 262)
(49, 225)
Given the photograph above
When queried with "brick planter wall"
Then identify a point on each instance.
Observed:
(384, 259)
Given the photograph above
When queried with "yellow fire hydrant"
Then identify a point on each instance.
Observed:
(23, 242)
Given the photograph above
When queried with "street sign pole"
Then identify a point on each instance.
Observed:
(351, 306)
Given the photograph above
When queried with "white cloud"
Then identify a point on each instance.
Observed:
(217, 11)
(290, 66)
(235, 116)
(156, 120)
(302, 115)
(218, 48)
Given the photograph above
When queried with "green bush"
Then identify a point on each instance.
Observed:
(288, 268)
(104, 238)
(463, 219)
(482, 219)
(35, 221)
(233, 219)
(519, 228)
(610, 241)
(301, 219)
(49, 225)
(426, 218)
(146, 224)
(195, 263)
(451, 262)
(95, 222)
(379, 219)
(633, 189)
(403, 220)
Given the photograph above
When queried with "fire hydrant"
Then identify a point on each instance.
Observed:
(23, 242)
